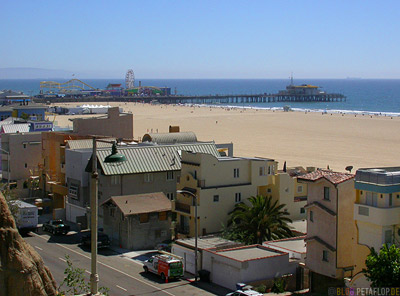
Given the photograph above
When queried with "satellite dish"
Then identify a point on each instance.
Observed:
(349, 168)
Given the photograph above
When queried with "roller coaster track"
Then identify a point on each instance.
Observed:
(70, 85)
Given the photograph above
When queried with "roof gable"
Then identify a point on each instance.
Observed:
(331, 176)
(141, 203)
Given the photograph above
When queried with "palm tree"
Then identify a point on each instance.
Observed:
(262, 220)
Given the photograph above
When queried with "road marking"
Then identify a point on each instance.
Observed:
(62, 259)
(38, 248)
(106, 265)
(121, 288)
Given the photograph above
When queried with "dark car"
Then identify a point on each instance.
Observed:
(56, 227)
(103, 241)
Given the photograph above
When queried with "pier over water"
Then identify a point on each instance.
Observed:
(207, 99)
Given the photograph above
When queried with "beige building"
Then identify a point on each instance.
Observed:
(376, 214)
(331, 230)
(24, 155)
(218, 183)
(285, 189)
(114, 124)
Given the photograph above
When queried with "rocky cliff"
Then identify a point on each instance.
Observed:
(22, 271)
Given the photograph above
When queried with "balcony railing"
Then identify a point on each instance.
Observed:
(181, 207)
(375, 215)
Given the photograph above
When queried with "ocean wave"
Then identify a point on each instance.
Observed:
(305, 110)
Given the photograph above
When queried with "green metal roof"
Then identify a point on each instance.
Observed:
(88, 144)
(147, 159)
(170, 138)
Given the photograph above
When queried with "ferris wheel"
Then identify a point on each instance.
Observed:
(129, 79)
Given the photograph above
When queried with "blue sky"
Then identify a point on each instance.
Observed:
(204, 39)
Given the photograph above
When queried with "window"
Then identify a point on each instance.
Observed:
(269, 190)
(24, 146)
(162, 216)
(144, 218)
(302, 210)
(311, 216)
(238, 197)
(26, 165)
(170, 195)
(388, 236)
(112, 212)
(116, 180)
(299, 189)
(148, 177)
(170, 175)
(73, 191)
(326, 193)
(390, 200)
(216, 198)
(325, 256)
(236, 173)
(262, 171)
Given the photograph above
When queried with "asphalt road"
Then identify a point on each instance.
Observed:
(122, 275)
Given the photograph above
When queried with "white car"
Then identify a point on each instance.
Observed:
(245, 293)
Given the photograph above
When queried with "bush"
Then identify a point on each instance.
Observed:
(260, 289)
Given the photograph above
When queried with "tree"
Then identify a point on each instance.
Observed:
(74, 281)
(383, 269)
(262, 220)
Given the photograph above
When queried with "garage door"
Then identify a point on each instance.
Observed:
(187, 255)
(224, 275)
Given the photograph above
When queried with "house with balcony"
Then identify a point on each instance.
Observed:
(218, 184)
(331, 230)
(376, 212)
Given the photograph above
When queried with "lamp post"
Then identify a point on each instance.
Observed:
(195, 228)
(113, 158)
(8, 166)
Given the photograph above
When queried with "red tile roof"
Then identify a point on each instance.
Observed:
(331, 176)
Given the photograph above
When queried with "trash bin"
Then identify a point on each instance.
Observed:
(204, 275)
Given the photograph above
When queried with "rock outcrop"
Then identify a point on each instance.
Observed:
(22, 271)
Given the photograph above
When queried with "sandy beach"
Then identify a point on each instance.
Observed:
(301, 139)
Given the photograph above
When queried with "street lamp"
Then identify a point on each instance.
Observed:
(8, 166)
(195, 228)
(114, 158)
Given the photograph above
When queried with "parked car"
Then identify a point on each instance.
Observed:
(244, 293)
(164, 265)
(56, 227)
(165, 245)
(103, 241)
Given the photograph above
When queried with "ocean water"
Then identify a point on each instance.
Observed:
(363, 95)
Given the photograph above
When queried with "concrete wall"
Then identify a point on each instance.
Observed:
(227, 272)
(75, 175)
(129, 233)
(136, 184)
(25, 154)
(113, 125)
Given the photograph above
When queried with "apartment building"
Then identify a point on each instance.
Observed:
(114, 124)
(376, 213)
(21, 153)
(330, 227)
(218, 183)
(285, 189)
